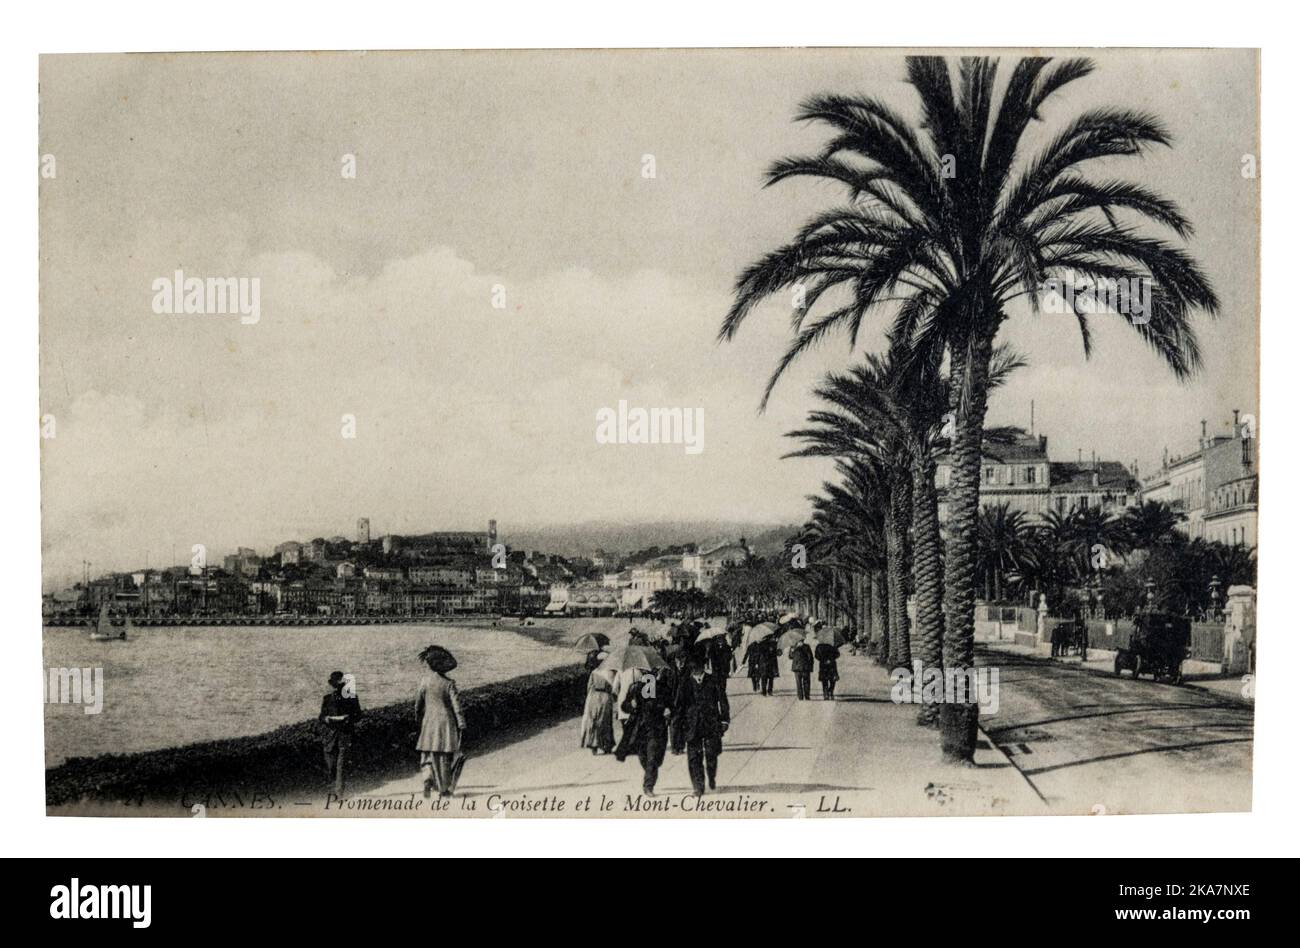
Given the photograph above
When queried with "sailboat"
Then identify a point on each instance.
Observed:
(104, 631)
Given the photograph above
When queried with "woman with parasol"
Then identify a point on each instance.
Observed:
(598, 712)
(442, 724)
(593, 643)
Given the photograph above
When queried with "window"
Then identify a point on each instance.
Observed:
(1031, 475)
(988, 475)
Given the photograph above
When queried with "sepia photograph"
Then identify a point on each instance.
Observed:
(649, 434)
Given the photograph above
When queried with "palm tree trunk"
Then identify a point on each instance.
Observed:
(927, 575)
(897, 519)
(959, 720)
(879, 617)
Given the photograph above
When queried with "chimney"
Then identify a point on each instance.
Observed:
(1081, 455)
(1202, 432)
(1165, 463)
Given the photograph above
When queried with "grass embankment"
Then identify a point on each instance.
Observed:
(288, 759)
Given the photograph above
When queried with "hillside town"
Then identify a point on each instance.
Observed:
(444, 573)
(1212, 490)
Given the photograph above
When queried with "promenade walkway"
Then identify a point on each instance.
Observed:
(861, 755)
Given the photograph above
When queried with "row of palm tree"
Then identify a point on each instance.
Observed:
(950, 219)
(1060, 554)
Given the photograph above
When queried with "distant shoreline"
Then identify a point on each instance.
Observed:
(281, 621)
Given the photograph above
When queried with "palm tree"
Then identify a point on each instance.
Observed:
(1152, 523)
(949, 221)
(1004, 545)
(867, 425)
(846, 536)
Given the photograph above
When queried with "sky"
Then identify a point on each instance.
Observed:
(516, 178)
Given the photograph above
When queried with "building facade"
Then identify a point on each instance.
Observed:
(1023, 477)
(1215, 488)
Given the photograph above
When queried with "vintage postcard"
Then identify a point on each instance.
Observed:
(715, 433)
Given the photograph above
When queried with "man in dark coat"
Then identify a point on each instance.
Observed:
(338, 715)
(754, 664)
(801, 664)
(722, 660)
(678, 669)
(702, 714)
(771, 671)
(828, 669)
(649, 702)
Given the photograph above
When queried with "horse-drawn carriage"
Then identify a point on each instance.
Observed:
(1157, 647)
(1070, 637)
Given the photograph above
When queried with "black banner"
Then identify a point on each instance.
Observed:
(213, 897)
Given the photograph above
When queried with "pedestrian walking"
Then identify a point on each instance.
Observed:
(801, 665)
(598, 713)
(722, 660)
(702, 714)
(828, 669)
(771, 669)
(754, 660)
(338, 716)
(442, 724)
(645, 734)
(677, 671)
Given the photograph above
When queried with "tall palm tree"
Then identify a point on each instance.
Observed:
(845, 535)
(949, 221)
(865, 425)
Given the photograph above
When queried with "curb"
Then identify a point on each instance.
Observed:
(1006, 759)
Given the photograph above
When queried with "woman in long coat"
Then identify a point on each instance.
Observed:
(437, 707)
(598, 713)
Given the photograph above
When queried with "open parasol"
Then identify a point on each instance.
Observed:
(710, 632)
(829, 636)
(592, 640)
(438, 658)
(790, 638)
(633, 656)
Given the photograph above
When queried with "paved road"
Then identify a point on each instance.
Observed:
(1087, 741)
(861, 755)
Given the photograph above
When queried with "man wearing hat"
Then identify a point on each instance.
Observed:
(701, 716)
(338, 715)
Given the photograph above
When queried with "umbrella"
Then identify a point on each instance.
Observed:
(790, 638)
(789, 617)
(633, 656)
(592, 640)
(826, 653)
(757, 633)
(829, 636)
(438, 658)
(710, 632)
